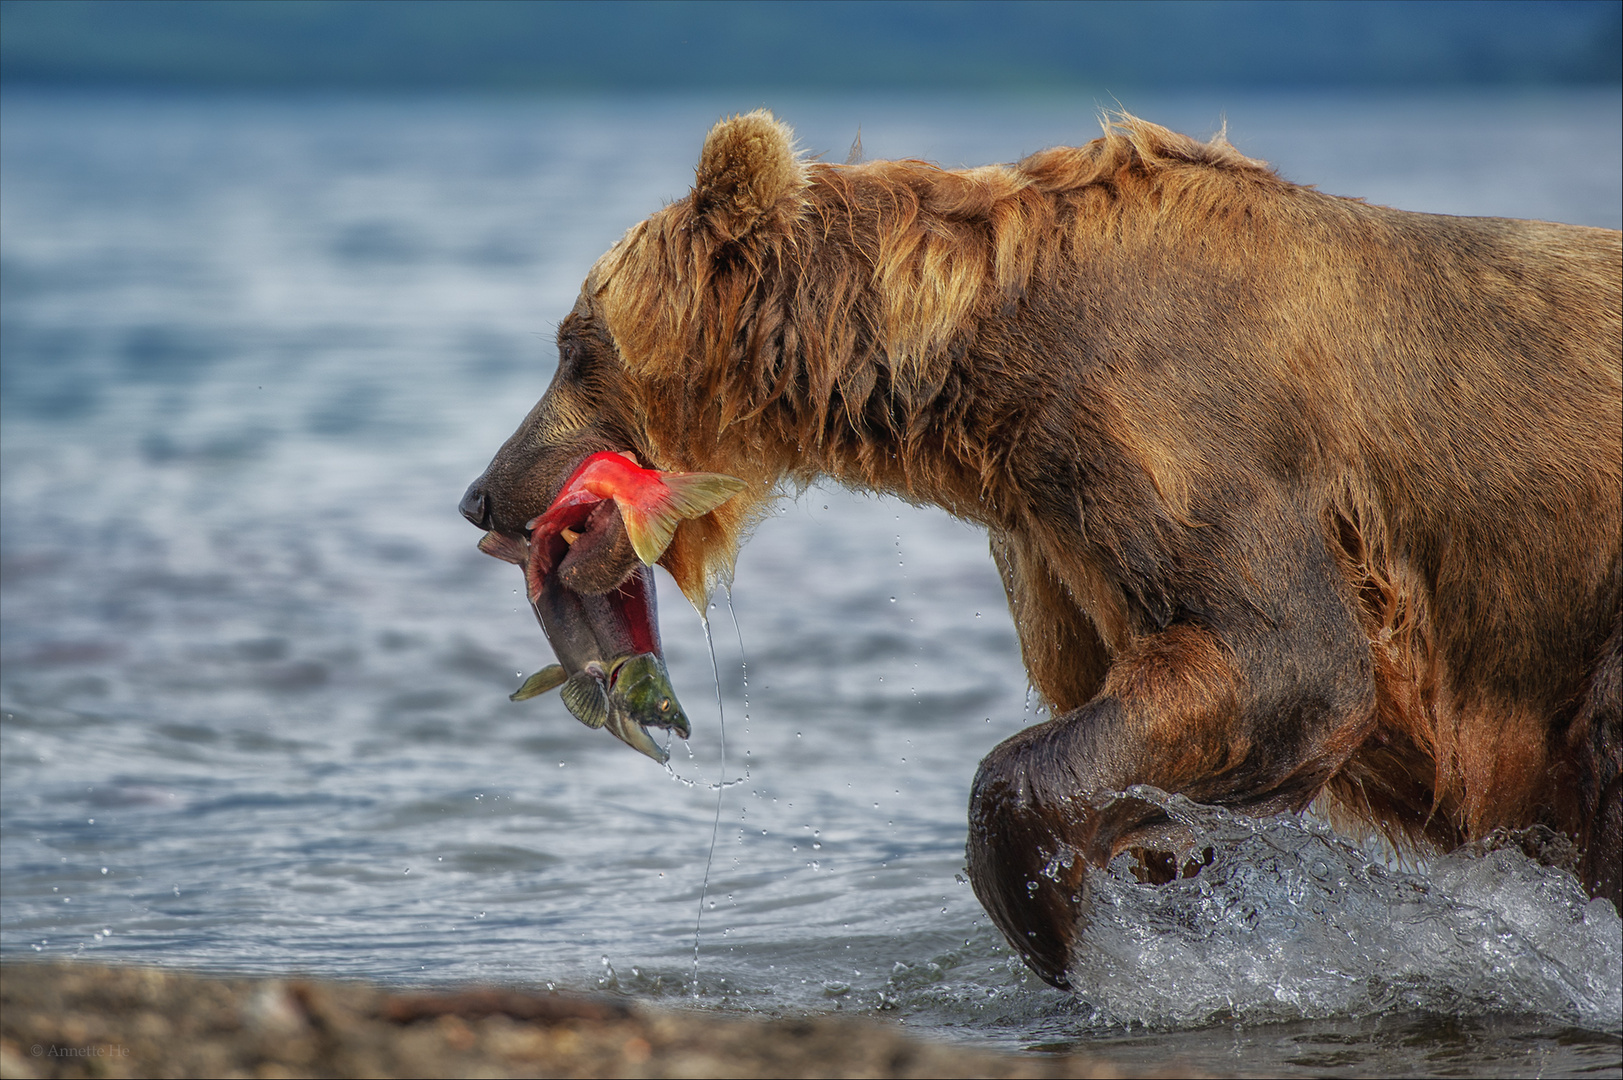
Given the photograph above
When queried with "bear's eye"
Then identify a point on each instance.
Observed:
(569, 357)
(580, 359)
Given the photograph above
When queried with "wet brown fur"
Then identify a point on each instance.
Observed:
(1293, 496)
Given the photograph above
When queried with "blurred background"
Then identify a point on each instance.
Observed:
(815, 45)
(276, 279)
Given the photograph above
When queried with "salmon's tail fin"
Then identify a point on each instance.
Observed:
(687, 495)
(505, 548)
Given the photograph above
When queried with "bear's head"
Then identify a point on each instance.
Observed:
(641, 357)
(792, 319)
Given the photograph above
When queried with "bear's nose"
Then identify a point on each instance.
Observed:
(475, 506)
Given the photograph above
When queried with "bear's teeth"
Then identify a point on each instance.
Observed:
(570, 536)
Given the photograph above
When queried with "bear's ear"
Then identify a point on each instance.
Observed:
(748, 172)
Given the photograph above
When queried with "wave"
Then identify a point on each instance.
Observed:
(1290, 921)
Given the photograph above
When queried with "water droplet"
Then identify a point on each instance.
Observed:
(893, 599)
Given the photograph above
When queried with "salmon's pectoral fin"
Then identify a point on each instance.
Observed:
(688, 495)
(584, 696)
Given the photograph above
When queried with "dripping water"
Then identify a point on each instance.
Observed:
(721, 790)
(744, 670)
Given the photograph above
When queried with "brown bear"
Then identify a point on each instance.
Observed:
(1294, 497)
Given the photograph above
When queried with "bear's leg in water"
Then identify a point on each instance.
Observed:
(1244, 700)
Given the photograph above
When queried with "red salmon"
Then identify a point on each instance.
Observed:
(610, 668)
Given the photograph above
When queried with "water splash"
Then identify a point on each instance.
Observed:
(1291, 921)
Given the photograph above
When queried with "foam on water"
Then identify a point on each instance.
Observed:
(1291, 921)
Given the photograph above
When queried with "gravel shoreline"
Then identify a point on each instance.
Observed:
(80, 1019)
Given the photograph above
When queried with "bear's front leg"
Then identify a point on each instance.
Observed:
(1256, 716)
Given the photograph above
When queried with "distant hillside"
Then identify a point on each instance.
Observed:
(824, 45)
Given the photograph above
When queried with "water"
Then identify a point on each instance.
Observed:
(253, 708)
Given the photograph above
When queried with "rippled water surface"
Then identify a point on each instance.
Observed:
(255, 674)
